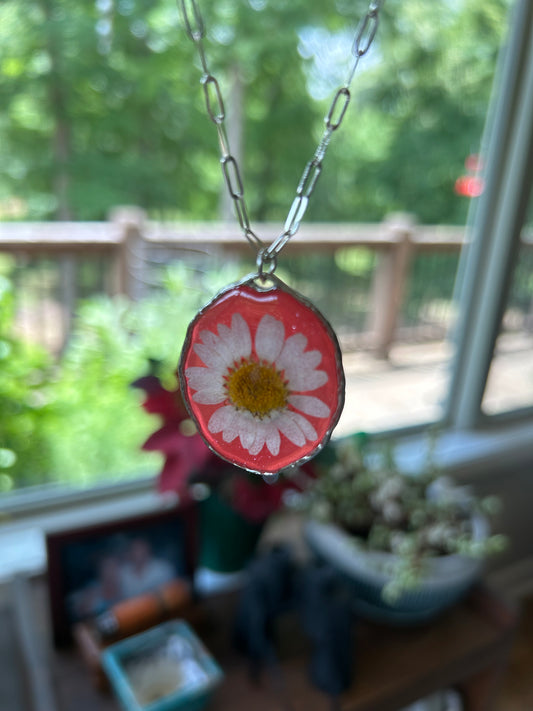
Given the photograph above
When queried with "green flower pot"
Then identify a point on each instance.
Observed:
(227, 539)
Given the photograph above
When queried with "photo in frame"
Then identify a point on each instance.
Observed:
(92, 568)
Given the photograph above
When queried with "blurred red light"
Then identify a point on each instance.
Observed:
(469, 186)
(474, 163)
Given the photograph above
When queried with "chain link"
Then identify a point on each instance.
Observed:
(266, 256)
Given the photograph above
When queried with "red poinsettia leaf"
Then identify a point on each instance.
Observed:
(147, 383)
(166, 439)
(174, 475)
(159, 400)
(197, 453)
(255, 499)
(166, 403)
(188, 459)
(170, 440)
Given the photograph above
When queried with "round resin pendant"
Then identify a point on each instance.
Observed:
(261, 374)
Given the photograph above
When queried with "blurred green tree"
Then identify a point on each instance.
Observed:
(103, 107)
(419, 112)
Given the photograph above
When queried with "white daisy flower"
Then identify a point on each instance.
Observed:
(260, 385)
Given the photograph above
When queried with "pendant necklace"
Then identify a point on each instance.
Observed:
(261, 368)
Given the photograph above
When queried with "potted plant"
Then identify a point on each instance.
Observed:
(409, 545)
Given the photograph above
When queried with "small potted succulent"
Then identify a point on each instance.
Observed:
(410, 545)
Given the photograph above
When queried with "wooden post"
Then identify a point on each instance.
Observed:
(130, 261)
(68, 272)
(388, 285)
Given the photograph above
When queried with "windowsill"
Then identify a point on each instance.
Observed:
(471, 453)
(26, 519)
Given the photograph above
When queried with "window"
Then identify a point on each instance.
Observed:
(496, 251)
(397, 116)
(510, 380)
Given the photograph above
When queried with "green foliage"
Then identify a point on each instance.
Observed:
(430, 288)
(357, 261)
(86, 423)
(97, 424)
(350, 271)
(25, 456)
(102, 106)
(420, 112)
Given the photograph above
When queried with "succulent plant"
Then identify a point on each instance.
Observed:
(413, 516)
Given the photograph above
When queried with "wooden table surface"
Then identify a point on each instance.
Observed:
(468, 646)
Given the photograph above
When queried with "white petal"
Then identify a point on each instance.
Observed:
(311, 359)
(209, 339)
(306, 427)
(300, 367)
(290, 429)
(210, 396)
(295, 362)
(225, 338)
(247, 427)
(292, 350)
(239, 424)
(224, 332)
(220, 419)
(259, 442)
(230, 434)
(240, 337)
(247, 437)
(309, 405)
(224, 420)
(199, 378)
(269, 338)
(303, 379)
(272, 439)
(212, 358)
(218, 345)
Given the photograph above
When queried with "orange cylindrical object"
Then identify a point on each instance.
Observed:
(138, 613)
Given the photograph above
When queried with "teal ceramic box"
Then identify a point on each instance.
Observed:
(166, 668)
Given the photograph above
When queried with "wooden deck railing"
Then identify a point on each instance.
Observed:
(128, 242)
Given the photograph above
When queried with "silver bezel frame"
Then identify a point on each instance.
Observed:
(265, 284)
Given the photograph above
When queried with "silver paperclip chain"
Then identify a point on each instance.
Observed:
(266, 256)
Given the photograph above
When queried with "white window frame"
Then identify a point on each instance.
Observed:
(495, 223)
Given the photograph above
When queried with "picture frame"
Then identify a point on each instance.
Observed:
(90, 567)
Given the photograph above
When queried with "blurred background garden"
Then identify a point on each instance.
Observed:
(102, 108)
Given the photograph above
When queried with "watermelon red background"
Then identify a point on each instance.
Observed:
(298, 317)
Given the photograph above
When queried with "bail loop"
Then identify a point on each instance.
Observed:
(266, 264)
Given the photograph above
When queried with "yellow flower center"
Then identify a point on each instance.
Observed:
(256, 387)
